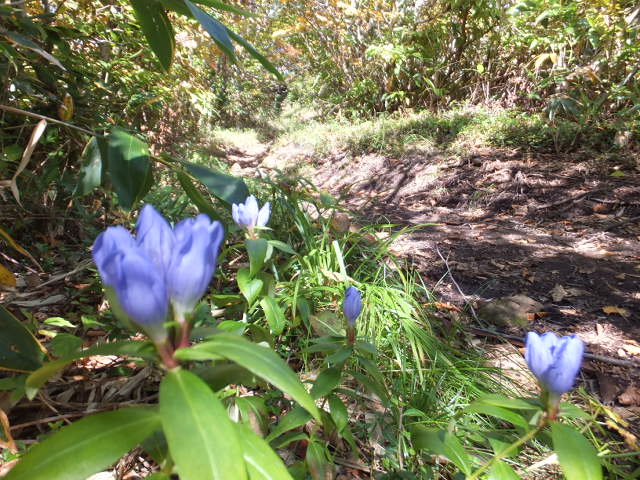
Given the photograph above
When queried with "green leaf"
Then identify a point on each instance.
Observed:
(440, 442)
(221, 374)
(262, 462)
(317, 461)
(372, 385)
(499, 412)
(201, 437)
(19, 349)
(569, 410)
(283, 247)
(214, 28)
(512, 403)
(274, 315)
(87, 446)
(297, 417)
(196, 197)
(124, 347)
(262, 361)
(59, 322)
(128, 166)
(177, 6)
(339, 413)
(65, 344)
(257, 250)
(155, 445)
(326, 382)
(576, 455)
(157, 29)
(250, 288)
(91, 168)
(256, 54)
(31, 45)
(502, 471)
(226, 7)
(227, 188)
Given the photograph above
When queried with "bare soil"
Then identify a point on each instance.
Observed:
(558, 229)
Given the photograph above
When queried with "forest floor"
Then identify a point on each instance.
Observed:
(513, 241)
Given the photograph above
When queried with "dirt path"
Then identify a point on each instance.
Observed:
(559, 230)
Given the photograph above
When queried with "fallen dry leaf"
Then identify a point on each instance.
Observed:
(631, 349)
(558, 293)
(610, 310)
(446, 306)
(631, 396)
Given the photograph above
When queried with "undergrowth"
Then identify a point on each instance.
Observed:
(456, 130)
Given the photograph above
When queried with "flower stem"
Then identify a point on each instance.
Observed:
(184, 335)
(504, 452)
(351, 335)
(166, 355)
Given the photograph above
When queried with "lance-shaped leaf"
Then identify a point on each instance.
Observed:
(256, 54)
(576, 455)
(157, 29)
(262, 361)
(214, 28)
(227, 188)
(124, 347)
(129, 166)
(262, 462)
(202, 439)
(87, 446)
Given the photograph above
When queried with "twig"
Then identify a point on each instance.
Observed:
(56, 418)
(473, 312)
(621, 223)
(518, 341)
(573, 198)
(350, 464)
(48, 119)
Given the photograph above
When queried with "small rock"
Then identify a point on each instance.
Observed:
(517, 310)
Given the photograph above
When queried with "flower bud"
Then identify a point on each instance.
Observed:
(197, 243)
(555, 361)
(247, 215)
(352, 305)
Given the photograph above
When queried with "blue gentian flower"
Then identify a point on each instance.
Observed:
(555, 361)
(352, 305)
(155, 237)
(197, 242)
(161, 266)
(247, 215)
